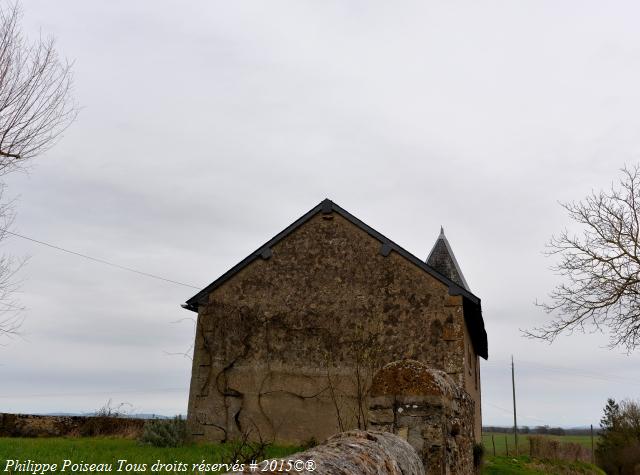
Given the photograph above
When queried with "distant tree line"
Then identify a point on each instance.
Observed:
(541, 430)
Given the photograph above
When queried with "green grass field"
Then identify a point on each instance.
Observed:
(109, 450)
(501, 441)
(104, 450)
(523, 465)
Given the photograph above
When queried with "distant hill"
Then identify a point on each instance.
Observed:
(584, 430)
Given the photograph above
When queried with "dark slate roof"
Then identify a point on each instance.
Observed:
(473, 316)
(442, 259)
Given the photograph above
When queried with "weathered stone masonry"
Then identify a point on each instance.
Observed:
(428, 409)
(287, 342)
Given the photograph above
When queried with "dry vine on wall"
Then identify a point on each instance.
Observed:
(235, 345)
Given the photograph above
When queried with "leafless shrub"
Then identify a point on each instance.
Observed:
(546, 448)
(367, 360)
(250, 447)
(109, 409)
(111, 419)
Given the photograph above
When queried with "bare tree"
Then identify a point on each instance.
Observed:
(600, 266)
(11, 315)
(36, 106)
(35, 100)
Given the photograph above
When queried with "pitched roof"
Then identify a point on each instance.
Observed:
(476, 327)
(442, 259)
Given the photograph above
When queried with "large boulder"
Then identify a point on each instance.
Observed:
(356, 452)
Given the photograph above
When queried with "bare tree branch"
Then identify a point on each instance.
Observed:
(35, 93)
(600, 267)
(36, 106)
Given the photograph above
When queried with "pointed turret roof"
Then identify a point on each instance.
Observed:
(442, 259)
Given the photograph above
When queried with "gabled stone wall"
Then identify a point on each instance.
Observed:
(287, 347)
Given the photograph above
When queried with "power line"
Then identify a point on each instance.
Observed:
(510, 411)
(102, 261)
(583, 374)
(575, 372)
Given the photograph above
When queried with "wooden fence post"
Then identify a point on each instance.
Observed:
(593, 455)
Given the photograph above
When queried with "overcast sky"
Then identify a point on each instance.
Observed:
(207, 127)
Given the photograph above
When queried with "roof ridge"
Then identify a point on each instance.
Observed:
(327, 206)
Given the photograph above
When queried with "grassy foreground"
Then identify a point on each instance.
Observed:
(105, 450)
(98, 450)
(524, 465)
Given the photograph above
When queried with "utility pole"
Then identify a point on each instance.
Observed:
(515, 422)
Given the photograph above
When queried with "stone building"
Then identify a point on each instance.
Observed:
(289, 340)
